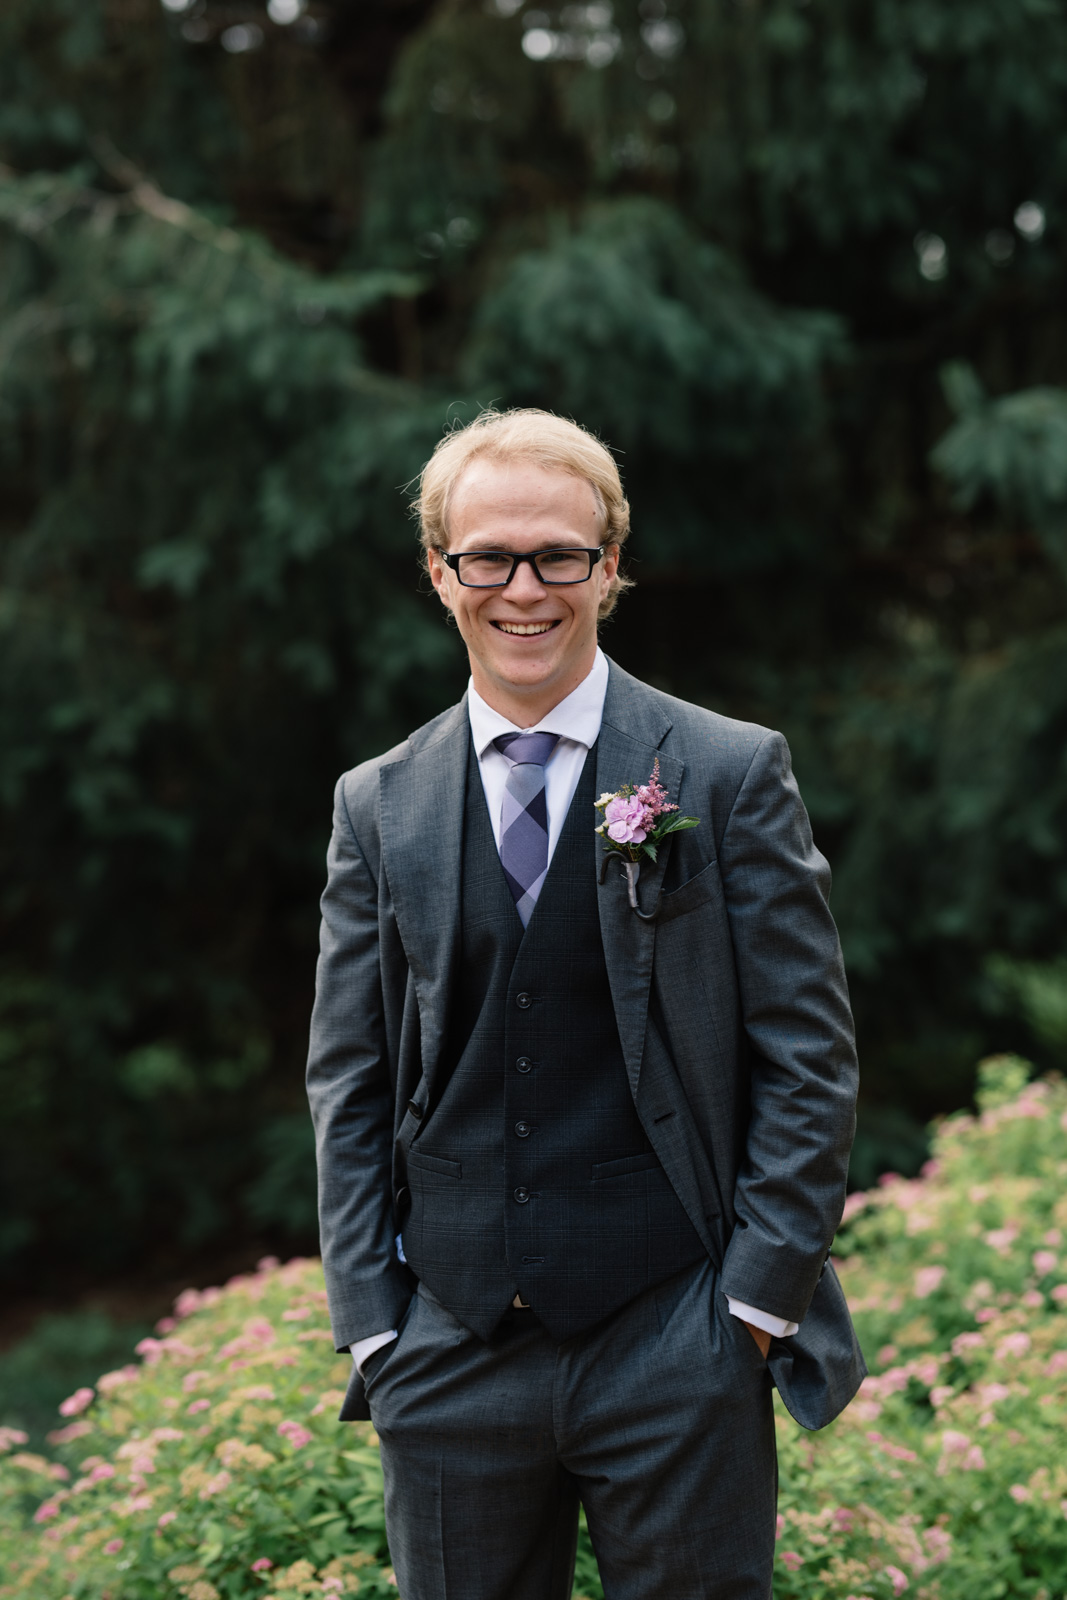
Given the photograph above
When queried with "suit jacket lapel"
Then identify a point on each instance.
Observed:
(634, 726)
(422, 805)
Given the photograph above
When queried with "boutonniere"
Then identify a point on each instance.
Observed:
(637, 819)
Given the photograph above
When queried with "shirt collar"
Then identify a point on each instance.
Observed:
(578, 717)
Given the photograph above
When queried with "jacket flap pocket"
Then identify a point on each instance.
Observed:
(697, 892)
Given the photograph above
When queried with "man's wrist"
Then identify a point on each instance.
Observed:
(766, 1321)
(364, 1348)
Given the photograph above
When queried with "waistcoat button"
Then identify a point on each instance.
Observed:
(523, 1001)
(523, 1064)
(523, 1130)
(521, 1196)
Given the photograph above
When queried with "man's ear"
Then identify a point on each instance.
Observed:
(438, 577)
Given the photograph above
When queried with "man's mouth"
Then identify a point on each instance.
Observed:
(526, 627)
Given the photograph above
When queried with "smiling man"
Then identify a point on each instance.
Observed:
(580, 1161)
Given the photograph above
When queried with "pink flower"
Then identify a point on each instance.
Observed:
(1059, 1293)
(138, 1502)
(886, 1354)
(115, 1380)
(197, 1405)
(859, 1200)
(297, 1435)
(259, 1329)
(187, 1302)
(974, 1460)
(193, 1379)
(927, 1279)
(987, 1314)
(844, 1519)
(257, 1391)
(296, 1314)
(67, 1435)
(150, 1350)
(967, 1341)
(101, 1471)
(166, 1519)
(267, 1263)
(46, 1511)
(1057, 1362)
(9, 1437)
(163, 1435)
(626, 820)
(779, 1526)
(77, 1402)
(1001, 1239)
(215, 1485)
(941, 1393)
(938, 1542)
(1034, 1299)
(113, 1547)
(264, 1563)
(791, 1560)
(1044, 1262)
(166, 1325)
(897, 1579)
(1015, 1344)
(1019, 1493)
(332, 1586)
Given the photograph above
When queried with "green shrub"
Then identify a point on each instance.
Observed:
(215, 1467)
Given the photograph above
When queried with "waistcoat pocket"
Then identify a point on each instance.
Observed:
(429, 1163)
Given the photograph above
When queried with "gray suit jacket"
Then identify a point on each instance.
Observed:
(731, 1005)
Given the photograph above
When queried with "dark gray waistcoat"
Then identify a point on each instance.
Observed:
(533, 1174)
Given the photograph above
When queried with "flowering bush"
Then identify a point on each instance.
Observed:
(947, 1478)
(215, 1467)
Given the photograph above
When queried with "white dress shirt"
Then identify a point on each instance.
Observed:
(577, 721)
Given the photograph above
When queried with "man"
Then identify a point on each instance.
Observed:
(580, 1162)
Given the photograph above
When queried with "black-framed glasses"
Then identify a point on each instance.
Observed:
(494, 569)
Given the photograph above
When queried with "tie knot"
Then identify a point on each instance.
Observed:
(521, 748)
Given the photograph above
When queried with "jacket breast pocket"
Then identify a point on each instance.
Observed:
(697, 892)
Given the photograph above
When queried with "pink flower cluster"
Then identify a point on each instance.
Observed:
(297, 1435)
(631, 816)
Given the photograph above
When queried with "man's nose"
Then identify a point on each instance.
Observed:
(525, 585)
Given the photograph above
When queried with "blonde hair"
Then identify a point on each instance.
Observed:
(524, 434)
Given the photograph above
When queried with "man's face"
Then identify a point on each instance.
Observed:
(530, 643)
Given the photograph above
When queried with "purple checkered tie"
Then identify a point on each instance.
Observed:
(524, 816)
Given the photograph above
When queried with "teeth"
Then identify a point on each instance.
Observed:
(525, 627)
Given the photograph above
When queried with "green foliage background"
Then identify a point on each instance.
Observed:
(772, 249)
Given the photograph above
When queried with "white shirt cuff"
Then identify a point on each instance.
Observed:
(778, 1326)
(366, 1347)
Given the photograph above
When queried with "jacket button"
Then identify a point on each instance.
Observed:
(523, 1064)
(415, 1109)
(524, 1001)
(521, 1196)
(523, 1130)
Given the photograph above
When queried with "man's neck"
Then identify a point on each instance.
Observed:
(525, 708)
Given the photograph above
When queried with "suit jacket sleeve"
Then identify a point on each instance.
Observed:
(351, 1098)
(801, 1050)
